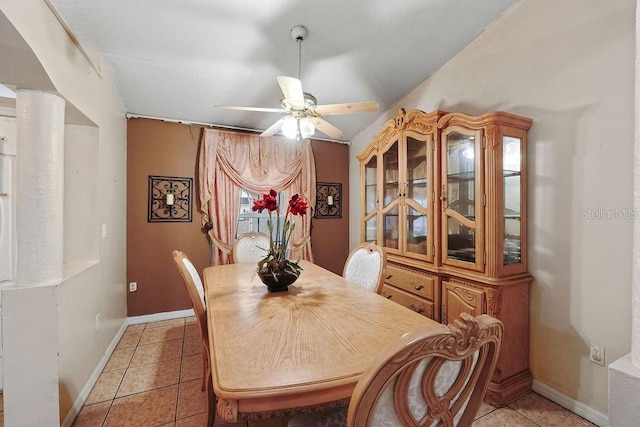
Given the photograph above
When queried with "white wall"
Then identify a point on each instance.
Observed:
(7, 203)
(94, 280)
(81, 193)
(569, 66)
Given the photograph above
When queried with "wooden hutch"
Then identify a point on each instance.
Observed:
(445, 195)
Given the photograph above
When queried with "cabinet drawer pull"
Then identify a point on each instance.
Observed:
(418, 286)
(388, 276)
(387, 296)
(418, 310)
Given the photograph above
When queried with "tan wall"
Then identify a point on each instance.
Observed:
(330, 237)
(160, 149)
(170, 149)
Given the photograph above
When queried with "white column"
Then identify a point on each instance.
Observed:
(30, 309)
(40, 184)
(624, 373)
(635, 285)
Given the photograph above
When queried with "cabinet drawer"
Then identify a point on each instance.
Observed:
(416, 283)
(408, 300)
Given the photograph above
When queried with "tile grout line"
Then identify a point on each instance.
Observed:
(175, 414)
(106, 415)
(128, 366)
(157, 388)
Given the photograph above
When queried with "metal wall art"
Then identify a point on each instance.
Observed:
(169, 199)
(328, 200)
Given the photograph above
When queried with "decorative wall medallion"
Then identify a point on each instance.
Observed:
(328, 200)
(169, 199)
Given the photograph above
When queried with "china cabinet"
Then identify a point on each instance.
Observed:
(445, 195)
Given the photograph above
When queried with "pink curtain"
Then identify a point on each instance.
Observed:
(231, 161)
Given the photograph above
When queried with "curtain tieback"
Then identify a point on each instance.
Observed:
(301, 244)
(226, 249)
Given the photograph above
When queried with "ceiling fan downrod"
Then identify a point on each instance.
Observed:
(299, 33)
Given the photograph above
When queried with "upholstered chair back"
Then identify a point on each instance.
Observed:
(365, 266)
(193, 283)
(250, 247)
(430, 378)
(436, 376)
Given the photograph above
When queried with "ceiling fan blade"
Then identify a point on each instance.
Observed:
(292, 90)
(326, 128)
(347, 108)
(259, 109)
(273, 128)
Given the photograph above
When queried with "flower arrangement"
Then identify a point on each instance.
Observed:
(276, 262)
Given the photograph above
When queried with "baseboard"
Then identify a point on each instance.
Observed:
(586, 412)
(84, 393)
(168, 315)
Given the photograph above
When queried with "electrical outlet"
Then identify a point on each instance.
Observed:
(133, 286)
(596, 354)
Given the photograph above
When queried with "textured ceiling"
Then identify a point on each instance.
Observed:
(177, 59)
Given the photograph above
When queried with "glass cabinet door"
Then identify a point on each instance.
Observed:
(417, 195)
(371, 199)
(391, 197)
(460, 198)
(511, 169)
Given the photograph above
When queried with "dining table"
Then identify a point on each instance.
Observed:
(307, 347)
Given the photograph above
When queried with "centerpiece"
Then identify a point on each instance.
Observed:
(275, 269)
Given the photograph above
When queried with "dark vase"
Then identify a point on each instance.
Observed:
(277, 282)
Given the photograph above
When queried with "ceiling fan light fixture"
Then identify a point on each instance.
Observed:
(290, 127)
(304, 112)
(297, 127)
(307, 129)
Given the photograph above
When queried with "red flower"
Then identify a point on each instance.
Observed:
(258, 205)
(280, 232)
(269, 202)
(297, 206)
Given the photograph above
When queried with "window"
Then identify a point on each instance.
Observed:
(249, 220)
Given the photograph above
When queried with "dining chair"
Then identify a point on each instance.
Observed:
(193, 283)
(365, 266)
(428, 377)
(250, 247)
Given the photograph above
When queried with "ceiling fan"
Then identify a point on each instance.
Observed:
(303, 111)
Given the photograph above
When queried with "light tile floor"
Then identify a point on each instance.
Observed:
(154, 376)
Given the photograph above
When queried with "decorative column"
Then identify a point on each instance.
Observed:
(30, 308)
(40, 186)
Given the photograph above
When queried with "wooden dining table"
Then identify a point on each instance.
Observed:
(273, 352)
